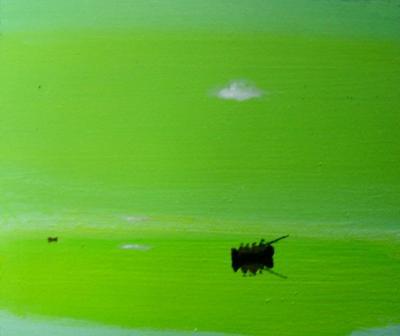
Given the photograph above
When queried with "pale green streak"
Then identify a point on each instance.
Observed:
(11, 325)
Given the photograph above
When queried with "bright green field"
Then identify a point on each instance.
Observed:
(114, 136)
(185, 282)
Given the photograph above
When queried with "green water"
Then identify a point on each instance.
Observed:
(185, 283)
(112, 134)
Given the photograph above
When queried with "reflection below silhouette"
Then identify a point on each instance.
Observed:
(255, 258)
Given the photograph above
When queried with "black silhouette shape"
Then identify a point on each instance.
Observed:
(52, 239)
(255, 258)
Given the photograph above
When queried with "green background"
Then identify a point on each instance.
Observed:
(107, 111)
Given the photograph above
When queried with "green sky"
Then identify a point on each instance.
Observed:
(363, 18)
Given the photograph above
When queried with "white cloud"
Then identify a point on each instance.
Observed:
(239, 90)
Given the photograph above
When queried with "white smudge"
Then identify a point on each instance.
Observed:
(136, 247)
(135, 219)
(391, 330)
(239, 90)
(11, 325)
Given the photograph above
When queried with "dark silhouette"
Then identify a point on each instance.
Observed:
(52, 239)
(255, 258)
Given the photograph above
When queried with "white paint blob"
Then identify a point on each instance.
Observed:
(239, 90)
(135, 247)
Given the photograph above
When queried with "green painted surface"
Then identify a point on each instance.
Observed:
(184, 282)
(112, 135)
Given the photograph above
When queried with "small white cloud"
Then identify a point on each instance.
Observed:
(136, 247)
(239, 90)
